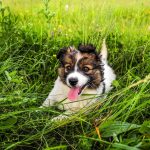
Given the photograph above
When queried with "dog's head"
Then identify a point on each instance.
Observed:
(80, 68)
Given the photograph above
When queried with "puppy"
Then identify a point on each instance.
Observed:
(81, 72)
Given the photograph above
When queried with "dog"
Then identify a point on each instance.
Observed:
(82, 73)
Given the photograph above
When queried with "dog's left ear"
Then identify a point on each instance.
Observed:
(61, 53)
(65, 50)
(103, 53)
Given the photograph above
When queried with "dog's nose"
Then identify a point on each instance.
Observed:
(73, 81)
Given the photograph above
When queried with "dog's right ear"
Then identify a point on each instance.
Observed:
(61, 53)
(89, 48)
(103, 52)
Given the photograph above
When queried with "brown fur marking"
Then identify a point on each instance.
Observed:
(90, 61)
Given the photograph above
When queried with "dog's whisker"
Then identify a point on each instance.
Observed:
(92, 85)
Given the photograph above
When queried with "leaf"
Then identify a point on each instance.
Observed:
(56, 147)
(115, 83)
(123, 146)
(116, 127)
(8, 123)
(145, 128)
(8, 75)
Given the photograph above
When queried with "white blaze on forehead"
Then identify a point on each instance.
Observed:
(78, 57)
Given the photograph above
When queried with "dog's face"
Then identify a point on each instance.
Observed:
(80, 69)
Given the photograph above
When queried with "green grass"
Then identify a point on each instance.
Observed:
(32, 32)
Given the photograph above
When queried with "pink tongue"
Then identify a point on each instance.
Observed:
(73, 93)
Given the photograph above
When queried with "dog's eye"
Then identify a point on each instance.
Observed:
(67, 67)
(85, 69)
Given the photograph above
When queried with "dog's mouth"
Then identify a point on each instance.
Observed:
(74, 92)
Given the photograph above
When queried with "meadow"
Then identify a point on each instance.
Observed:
(31, 34)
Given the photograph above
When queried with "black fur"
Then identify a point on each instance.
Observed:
(87, 48)
(61, 53)
(82, 48)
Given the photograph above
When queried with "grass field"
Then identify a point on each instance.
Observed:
(32, 32)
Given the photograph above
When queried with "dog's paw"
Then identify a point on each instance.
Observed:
(59, 118)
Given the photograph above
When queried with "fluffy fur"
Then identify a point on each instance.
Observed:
(93, 75)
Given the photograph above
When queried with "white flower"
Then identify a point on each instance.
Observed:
(66, 7)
